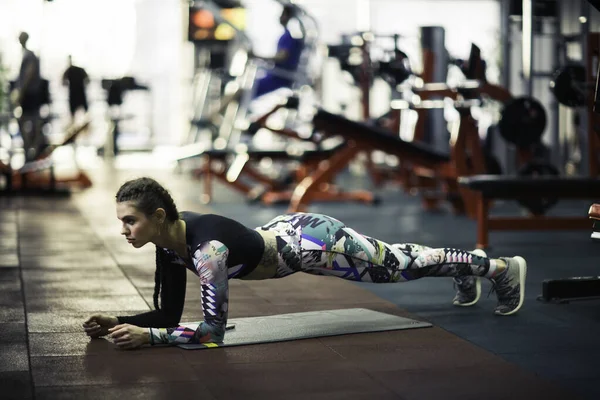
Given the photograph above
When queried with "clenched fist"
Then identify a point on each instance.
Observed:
(98, 325)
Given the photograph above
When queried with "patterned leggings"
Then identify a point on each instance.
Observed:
(321, 245)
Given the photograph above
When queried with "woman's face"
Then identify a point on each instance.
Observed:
(137, 228)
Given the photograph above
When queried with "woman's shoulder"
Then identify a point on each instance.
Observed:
(202, 224)
(191, 217)
(204, 227)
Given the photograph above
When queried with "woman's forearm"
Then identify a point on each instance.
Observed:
(155, 318)
(189, 333)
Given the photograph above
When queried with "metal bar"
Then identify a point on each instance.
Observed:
(505, 42)
(583, 133)
(527, 47)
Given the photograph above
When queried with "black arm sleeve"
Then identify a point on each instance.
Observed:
(172, 299)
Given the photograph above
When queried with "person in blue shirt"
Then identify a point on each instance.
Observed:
(286, 60)
(216, 249)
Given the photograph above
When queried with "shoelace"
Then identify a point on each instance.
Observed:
(502, 292)
(457, 282)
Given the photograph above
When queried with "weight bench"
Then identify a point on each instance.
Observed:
(487, 188)
(34, 178)
(71, 136)
(359, 137)
(578, 287)
(232, 167)
(235, 168)
(38, 176)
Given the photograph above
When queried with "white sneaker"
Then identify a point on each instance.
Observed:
(468, 288)
(510, 286)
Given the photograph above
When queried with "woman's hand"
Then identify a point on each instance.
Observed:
(128, 336)
(99, 324)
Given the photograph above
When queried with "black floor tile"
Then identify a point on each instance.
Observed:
(16, 385)
(561, 365)
(12, 313)
(13, 356)
(113, 367)
(142, 391)
(64, 322)
(11, 274)
(99, 287)
(12, 295)
(12, 332)
(257, 380)
(85, 303)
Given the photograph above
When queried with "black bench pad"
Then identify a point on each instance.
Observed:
(386, 141)
(512, 187)
(257, 154)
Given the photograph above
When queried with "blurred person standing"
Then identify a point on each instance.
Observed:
(27, 94)
(76, 78)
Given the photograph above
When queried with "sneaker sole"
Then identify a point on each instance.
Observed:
(522, 277)
(480, 253)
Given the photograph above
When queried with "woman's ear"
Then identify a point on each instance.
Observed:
(160, 215)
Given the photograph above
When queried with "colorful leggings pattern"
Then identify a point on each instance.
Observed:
(321, 245)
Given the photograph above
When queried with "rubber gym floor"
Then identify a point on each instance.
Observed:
(62, 259)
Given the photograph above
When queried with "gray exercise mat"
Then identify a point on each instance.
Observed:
(305, 325)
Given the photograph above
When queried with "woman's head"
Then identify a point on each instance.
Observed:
(288, 12)
(144, 208)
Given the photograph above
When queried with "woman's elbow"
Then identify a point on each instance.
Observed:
(171, 319)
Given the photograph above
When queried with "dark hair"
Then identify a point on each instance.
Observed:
(149, 196)
(290, 10)
(158, 277)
